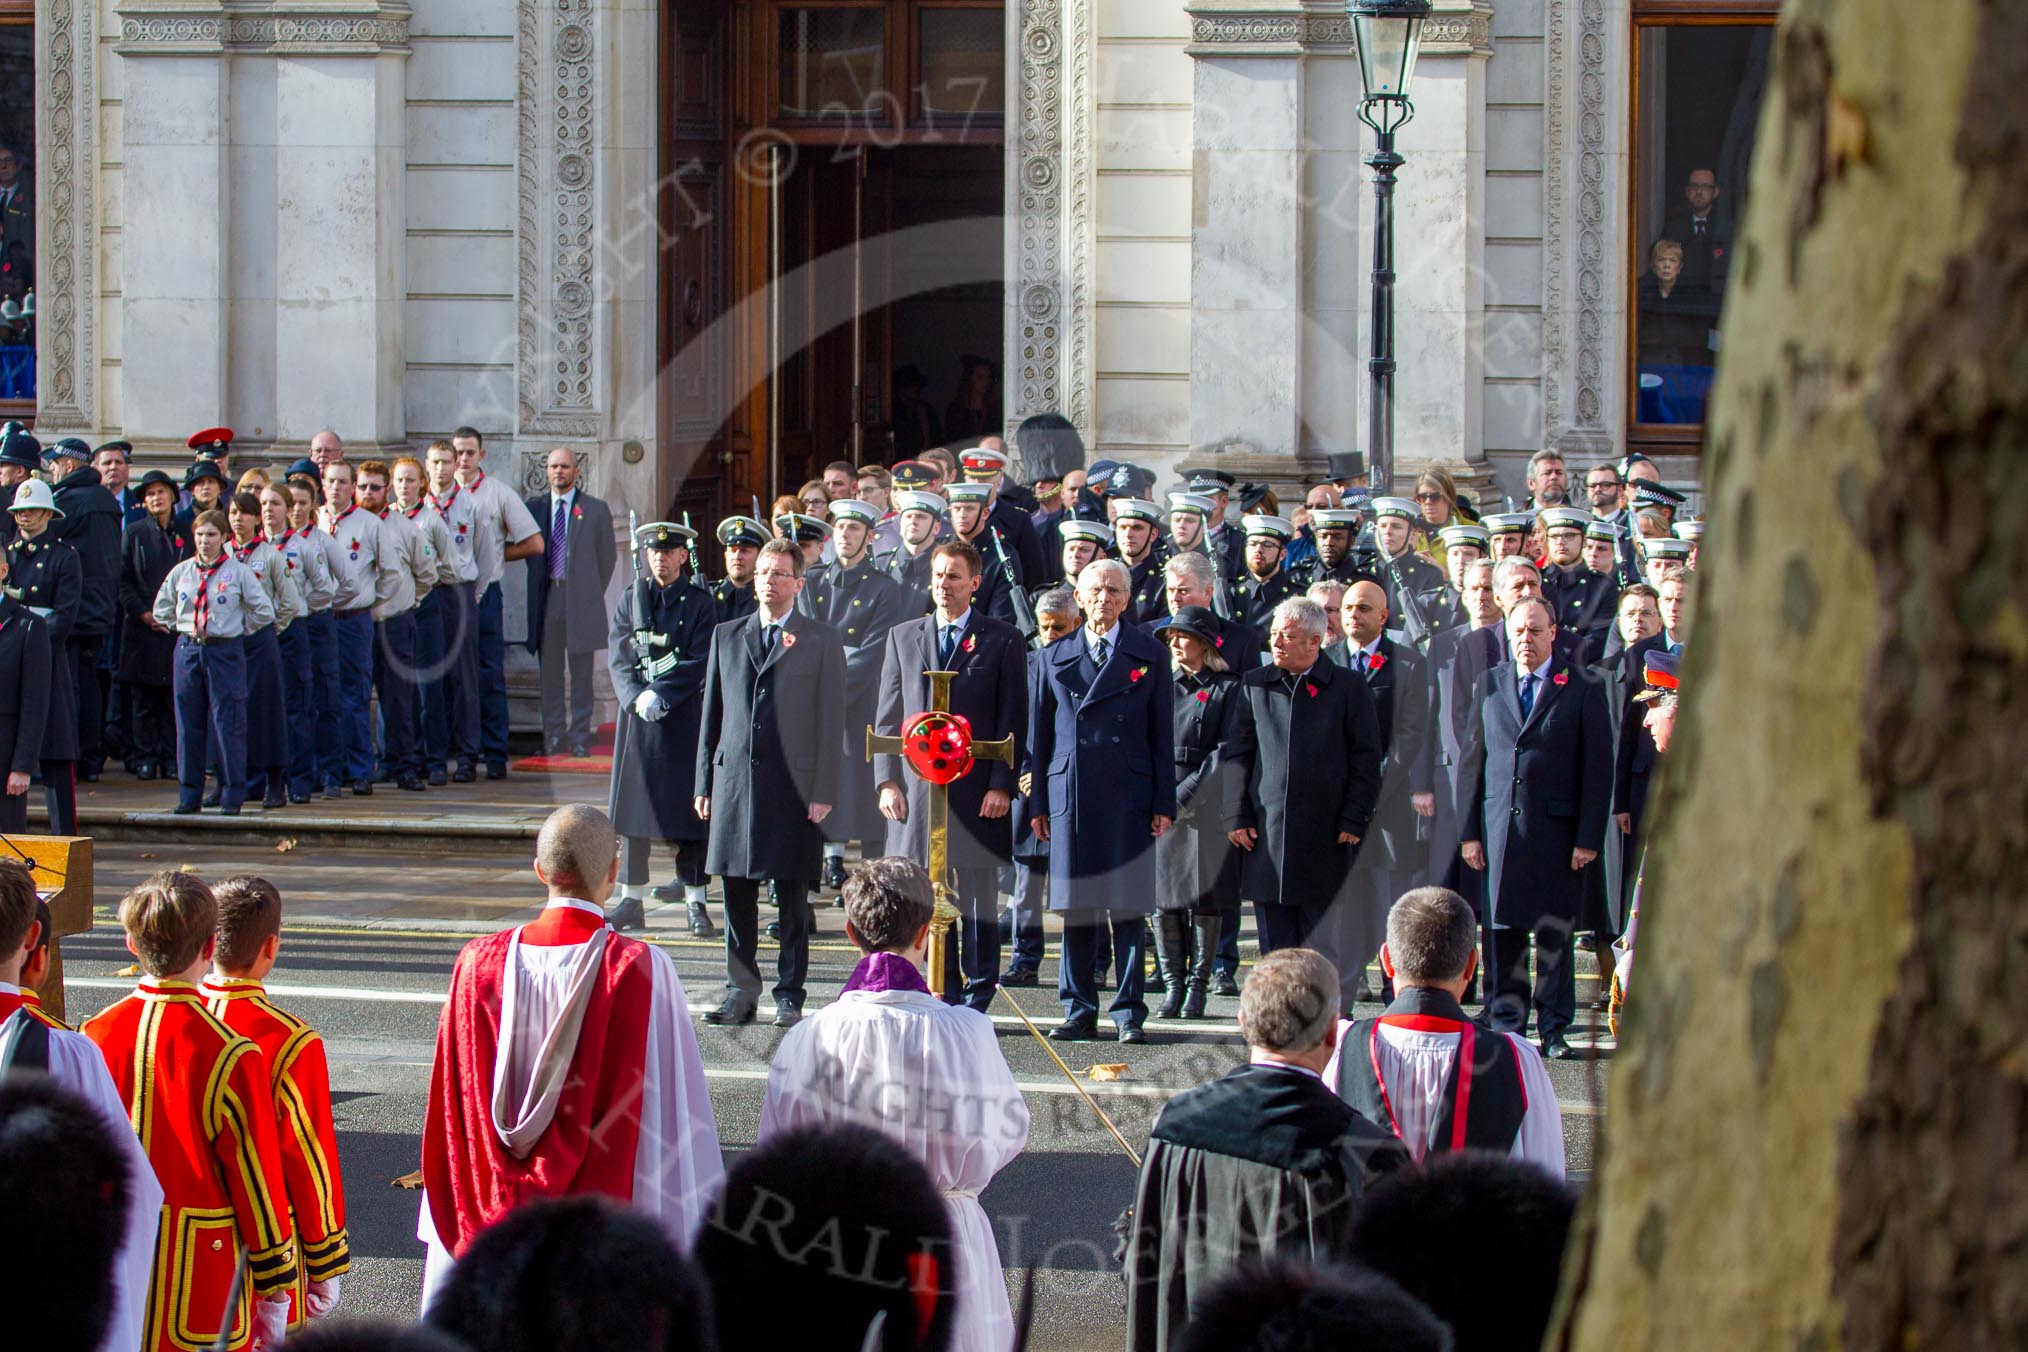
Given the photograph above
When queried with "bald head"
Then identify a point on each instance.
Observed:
(576, 854)
(1363, 612)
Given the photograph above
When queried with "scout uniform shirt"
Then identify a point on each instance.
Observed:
(224, 600)
(409, 566)
(299, 1081)
(357, 565)
(268, 566)
(458, 509)
(305, 553)
(197, 1095)
(502, 519)
(436, 538)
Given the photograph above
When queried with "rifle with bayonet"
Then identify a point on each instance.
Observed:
(1024, 611)
(1415, 625)
(646, 640)
(696, 573)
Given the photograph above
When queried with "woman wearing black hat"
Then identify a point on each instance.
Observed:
(206, 487)
(153, 544)
(1196, 867)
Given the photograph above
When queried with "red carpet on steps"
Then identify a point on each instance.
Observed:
(600, 762)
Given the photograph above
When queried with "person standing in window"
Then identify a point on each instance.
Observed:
(1707, 244)
(1674, 328)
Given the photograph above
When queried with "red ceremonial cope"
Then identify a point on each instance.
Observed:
(1430, 1023)
(938, 745)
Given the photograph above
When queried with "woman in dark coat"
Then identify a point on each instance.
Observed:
(1196, 867)
(153, 544)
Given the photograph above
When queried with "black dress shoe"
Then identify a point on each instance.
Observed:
(412, 782)
(1074, 1030)
(298, 798)
(147, 770)
(733, 1012)
(334, 790)
(213, 798)
(362, 789)
(1018, 976)
(437, 777)
(1224, 983)
(773, 929)
(700, 921)
(787, 1015)
(185, 809)
(274, 799)
(627, 913)
(1132, 1035)
(1556, 1049)
(232, 811)
(834, 872)
(496, 771)
(464, 774)
(580, 751)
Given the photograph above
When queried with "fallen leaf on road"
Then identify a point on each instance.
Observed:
(284, 846)
(409, 1181)
(186, 868)
(147, 856)
(1102, 1073)
(131, 969)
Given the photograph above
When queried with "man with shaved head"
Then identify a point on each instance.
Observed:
(587, 1081)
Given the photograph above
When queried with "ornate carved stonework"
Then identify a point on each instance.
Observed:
(1444, 33)
(1576, 276)
(368, 28)
(1079, 227)
(556, 361)
(66, 163)
(1036, 150)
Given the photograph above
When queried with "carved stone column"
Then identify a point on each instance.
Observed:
(66, 227)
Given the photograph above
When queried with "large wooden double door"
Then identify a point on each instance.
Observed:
(820, 228)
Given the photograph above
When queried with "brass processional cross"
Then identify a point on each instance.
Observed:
(939, 747)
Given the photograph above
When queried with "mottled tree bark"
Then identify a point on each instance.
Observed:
(1818, 1121)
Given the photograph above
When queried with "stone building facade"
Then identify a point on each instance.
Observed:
(393, 219)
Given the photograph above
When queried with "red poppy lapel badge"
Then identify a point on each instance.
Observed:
(788, 640)
(1561, 677)
(1311, 686)
(1218, 642)
(1376, 661)
(1136, 674)
(577, 513)
(972, 643)
(1204, 697)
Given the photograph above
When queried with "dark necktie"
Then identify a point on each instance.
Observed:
(1527, 695)
(947, 645)
(1700, 228)
(1105, 650)
(768, 633)
(559, 538)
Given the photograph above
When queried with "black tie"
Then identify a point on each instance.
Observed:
(768, 632)
(947, 646)
(1105, 649)
(1527, 695)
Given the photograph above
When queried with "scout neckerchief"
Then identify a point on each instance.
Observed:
(202, 621)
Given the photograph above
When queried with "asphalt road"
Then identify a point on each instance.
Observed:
(374, 994)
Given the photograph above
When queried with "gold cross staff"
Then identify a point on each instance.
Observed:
(946, 913)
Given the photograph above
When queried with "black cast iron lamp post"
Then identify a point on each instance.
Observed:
(1388, 34)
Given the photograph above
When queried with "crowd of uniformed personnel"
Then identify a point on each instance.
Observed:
(894, 579)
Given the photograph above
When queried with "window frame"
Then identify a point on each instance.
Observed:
(902, 62)
(1659, 439)
(21, 14)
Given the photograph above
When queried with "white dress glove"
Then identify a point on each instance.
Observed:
(323, 1298)
(270, 1322)
(650, 707)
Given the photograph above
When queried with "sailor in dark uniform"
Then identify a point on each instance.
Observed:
(44, 574)
(1083, 541)
(1221, 536)
(657, 650)
(1266, 583)
(1190, 515)
(971, 504)
(20, 457)
(742, 537)
(811, 534)
(922, 530)
(1464, 544)
(1693, 533)
(862, 603)
(1582, 600)
(1509, 531)
(1333, 529)
(1136, 523)
(1601, 549)
(1418, 603)
(987, 464)
(1660, 554)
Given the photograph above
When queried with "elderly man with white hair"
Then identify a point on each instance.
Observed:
(1306, 758)
(1103, 789)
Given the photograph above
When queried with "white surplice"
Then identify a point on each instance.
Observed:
(76, 1063)
(678, 1167)
(931, 1076)
(1416, 1068)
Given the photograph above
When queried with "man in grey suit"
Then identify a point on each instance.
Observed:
(567, 600)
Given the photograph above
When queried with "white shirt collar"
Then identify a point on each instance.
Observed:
(565, 496)
(573, 904)
(962, 623)
(1092, 639)
(1522, 673)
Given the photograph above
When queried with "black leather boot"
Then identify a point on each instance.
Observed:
(1204, 928)
(1172, 948)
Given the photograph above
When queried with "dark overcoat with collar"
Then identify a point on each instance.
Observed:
(1540, 788)
(1306, 766)
(590, 555)
(1194, 859)
(771, 742)
(45, 573)
(1105, 766)
(24, 688)
(862, 604)
(990, 691)
(653, 763)
(1401, 704)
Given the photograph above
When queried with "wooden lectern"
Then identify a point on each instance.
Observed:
(63, 875)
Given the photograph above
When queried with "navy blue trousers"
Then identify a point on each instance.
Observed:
(352, 639)
(327, 741)
(1075, 983)
(394, 678)
(492, 665)
(210, 684)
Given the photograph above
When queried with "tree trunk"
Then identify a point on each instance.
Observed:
(1817, 1119)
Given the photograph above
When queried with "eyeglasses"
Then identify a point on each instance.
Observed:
(1429, 497)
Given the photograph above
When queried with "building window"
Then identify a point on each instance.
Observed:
(1697, 93)
(921, 71)
(17, 210)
